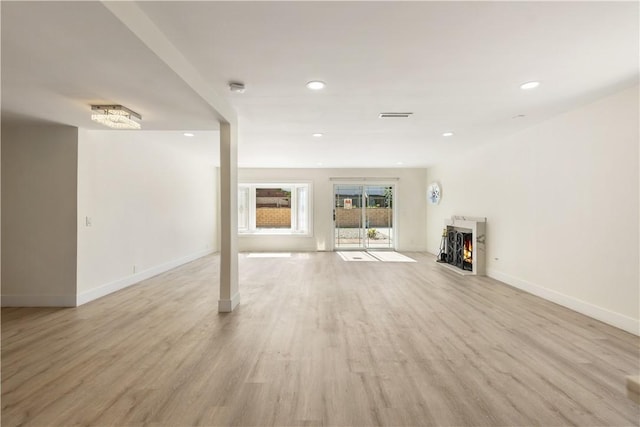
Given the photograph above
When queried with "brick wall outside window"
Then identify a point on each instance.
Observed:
(378, 217)
(273, 217)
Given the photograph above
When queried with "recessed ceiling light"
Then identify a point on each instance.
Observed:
(447, 134)
(529, 85)
(316, 85)
(399, 163)
(317, 135)
(188, 134)
(319, 163)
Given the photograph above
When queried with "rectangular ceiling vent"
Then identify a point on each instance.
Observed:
(389, 115)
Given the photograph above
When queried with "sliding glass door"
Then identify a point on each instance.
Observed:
(363, 216)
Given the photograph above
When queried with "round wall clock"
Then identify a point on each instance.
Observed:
(434, 194)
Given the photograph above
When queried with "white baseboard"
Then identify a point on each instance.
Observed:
(125, 282)
(618, 320)
(38, 301)
(227, 305)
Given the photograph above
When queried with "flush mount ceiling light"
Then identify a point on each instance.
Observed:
(317, 135)
(115, 116)
(316, 85)
(447, 134)
(529, 85)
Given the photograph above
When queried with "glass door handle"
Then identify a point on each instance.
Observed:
(334, 214)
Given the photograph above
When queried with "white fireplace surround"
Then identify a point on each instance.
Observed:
(477, 227)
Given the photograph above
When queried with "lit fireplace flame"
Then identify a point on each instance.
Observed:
(468, 250)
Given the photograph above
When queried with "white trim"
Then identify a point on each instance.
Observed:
(273, 232)
(227, 305)
(250, 228)
(125, 282)
(392, 182)
(365, 179)
(38, 300)
(618, 320)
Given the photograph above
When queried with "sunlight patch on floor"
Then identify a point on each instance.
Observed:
(357, 256)
(384, 256)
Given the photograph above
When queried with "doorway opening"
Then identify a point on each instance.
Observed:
(363, 216)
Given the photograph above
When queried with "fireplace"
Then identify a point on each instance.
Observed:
(459, 248)
(464, 245)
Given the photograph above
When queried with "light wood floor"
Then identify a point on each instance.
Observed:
(316, 341)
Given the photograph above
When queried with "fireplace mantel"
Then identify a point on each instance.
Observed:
(477, 227)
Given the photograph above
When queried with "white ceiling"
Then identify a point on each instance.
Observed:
(456, 65)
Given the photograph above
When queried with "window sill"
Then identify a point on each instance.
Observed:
(273, 233)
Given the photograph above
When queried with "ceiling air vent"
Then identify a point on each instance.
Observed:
(389, 115)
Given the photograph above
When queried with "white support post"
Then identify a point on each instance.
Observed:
(229, 293)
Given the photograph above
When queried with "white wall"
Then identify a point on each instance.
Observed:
(39, 167)
(151, 199)
(561, 200)
(410, 200)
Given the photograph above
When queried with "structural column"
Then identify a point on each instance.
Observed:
(229, 293)
(130, 14)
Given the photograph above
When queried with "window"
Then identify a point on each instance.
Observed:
(274, 208)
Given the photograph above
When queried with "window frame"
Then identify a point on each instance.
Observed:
(247, 193)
